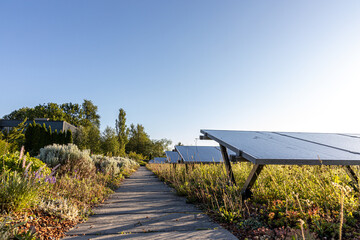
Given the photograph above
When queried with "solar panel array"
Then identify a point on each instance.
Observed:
(290, 148)
(199, 154)
(173, 157)
(160, 160)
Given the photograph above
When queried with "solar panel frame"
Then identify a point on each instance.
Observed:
(293, 151)
(345, 153)
(350, 134)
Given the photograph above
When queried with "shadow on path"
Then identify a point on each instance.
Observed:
(145, 208)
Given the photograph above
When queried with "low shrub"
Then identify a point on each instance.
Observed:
(85, 191)
(113, 165)
(17, 191)
(4, 146)
(71, 159)
(8, 230)
(18, 162)
(136, 156)
(60, 207)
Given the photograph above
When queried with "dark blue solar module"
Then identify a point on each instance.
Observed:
(173, 157)
(201, 154)
(160, 160)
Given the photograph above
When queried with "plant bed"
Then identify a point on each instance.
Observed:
(289, 202)
(60, 197)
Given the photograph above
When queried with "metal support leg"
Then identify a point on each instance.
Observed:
(227, 165)
(354, 178)
(246, 191)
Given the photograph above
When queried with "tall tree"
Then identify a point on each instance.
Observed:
(73, 113)
(159, 147)
(139, 141)
(21, 114)
(90, 114)
(109, 142)
(88, 137)
(76, 114)
(52, 111)
(122, 131)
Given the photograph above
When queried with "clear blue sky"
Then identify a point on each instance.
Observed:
(180, 66)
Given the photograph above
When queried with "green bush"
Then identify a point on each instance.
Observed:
(6, 230)
(113, 165)
(60, 207)
(136, 156)
(85, 191)
(38, 136)
(4, 146)
(71, 159)
(17, 191)
(15, 162)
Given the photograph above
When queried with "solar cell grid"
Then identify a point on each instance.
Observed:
(160, 160)
(173, 157)
(200, 154)
(339, 141)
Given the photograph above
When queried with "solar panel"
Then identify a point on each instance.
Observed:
(203, 154)
(290, 148)
(173, 157)
(338, 141)
(160, 160)
(350, 134)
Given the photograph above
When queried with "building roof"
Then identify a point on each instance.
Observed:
(55, 125)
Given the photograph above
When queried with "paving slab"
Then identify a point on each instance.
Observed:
(150, 223)
(200, 234)
(145, 208)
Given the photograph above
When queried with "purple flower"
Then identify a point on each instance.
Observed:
(50, 179)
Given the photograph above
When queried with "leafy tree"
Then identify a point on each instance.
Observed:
(52, 111)
(139, 140)
(15, 137)
(122, 131)
(21, 114)
(159, 147)
(109, 142)
(73, 113)
(90, 114)
(88, 137)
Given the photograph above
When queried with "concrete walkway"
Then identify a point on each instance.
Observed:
(145, 208)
